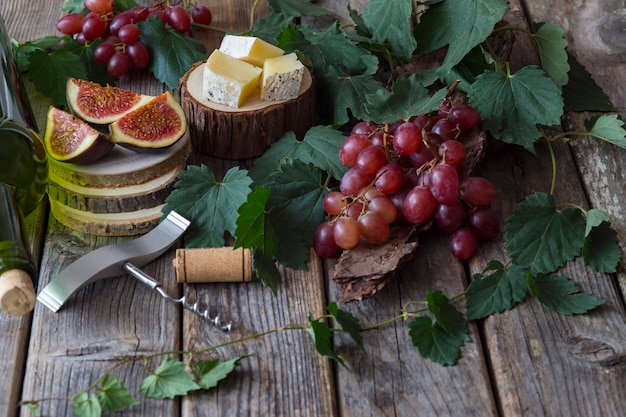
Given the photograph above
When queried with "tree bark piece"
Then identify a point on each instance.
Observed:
(248, 131)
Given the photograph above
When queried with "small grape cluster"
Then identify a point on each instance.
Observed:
(120, 49)
(409, 171)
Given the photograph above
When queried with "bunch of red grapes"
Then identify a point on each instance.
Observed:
(120, 49)
(414, 172)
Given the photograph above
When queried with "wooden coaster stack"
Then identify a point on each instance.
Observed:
(121, 194)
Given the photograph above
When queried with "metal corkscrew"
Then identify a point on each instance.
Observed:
(154, 285)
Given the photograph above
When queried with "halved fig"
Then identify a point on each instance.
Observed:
(101, 105)
(157, 124)
(70, 139)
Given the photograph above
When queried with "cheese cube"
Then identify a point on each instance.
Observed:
(249, 48)
(228, 80)
(282, 77)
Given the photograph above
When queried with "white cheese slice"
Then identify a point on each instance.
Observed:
(282, 77)
(249, 48)
(229, 81)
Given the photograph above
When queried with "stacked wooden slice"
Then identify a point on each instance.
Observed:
(121, 194)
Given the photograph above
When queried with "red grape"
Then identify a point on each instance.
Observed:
(128, 33)
(122, 19)
(450, 218)
(119, 64)
(407, 138)
(346, 232)
(99, 6)
(201, 14)
(444, 183)
(93, 27)
(419, 204)
(446, 129)
(324, 240)
(385, 207)
(452, 151)
(353, 182)
(363, 128)
(370, 160)
(139, 54)
(179, 19)
(465, 116)
(463, 243)
(477, 191)
(484, 222)
(334, 202)
(374, 228)
(71, 24)
(389, 178)
(356, 209)
(103, 52)
(351, 147)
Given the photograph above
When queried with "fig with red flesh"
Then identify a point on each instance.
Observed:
(157, 124)
(70, 139)
(101, 105)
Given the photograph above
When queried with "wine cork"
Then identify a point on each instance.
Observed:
(17, 294)
(200, 265)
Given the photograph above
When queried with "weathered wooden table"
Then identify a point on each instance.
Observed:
(525, 362)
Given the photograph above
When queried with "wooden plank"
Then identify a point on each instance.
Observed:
(284, 376)
(545, 363)
(391, 378)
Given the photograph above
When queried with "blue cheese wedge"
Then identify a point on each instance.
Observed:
(229, 81)
(249, 49)
(282, 77)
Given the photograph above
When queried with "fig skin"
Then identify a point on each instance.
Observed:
(158, 124)
(81, 143)
(101, 105)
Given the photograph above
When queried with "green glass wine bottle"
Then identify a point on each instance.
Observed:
(23, 180)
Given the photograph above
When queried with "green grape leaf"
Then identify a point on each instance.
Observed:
(446, 314)
(540, 237)
(319, 147)
(266, 271)
(114, 396)
(49, 71)
(168, 380)
(172, 53)
(124, 4)
(322, 338)
(22, 51)
(434, 342)
(210, 205)
(73, 6)
(407, 98)
(460, 24)
(211, 371)
(610, 128)
(86, 405)
(296, 199)
(33, 408)
(348, 93)
(595, 217)
(582, 93)
(512, 105)
(348, 323)
(254, 228)
(562, 295)
(270, 27)
(495, 289)
(551, 43)
(297, 8)
(389, 21)
(601, 250)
